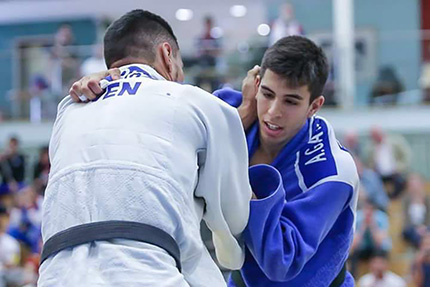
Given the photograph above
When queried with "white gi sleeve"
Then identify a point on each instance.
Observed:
(54, 141)
(223, 182)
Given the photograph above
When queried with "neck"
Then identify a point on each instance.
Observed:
(273, 149)
(418, 198)
(270, 150)
(129, 61)
(379, 275)
(163, 73)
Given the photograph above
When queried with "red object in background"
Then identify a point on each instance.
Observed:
(33, 262)
(425, 25)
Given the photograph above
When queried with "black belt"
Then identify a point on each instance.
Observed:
(105, 230)
(237, 278)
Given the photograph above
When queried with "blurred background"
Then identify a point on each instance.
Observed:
(377, 99)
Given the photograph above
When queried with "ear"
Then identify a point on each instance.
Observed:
(316, 106)
(166, 57)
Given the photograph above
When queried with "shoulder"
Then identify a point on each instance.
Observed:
(230, 96)
(203, 99)
(64, 103)
(323, 158)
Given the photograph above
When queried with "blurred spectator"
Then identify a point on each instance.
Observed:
(329, 91)
(64, 64)
(373, 187)
(29, 272)
(9, 249)
(41, 104)
(390, 155)
(387, 87)
(26, 218)
(208, 44)
(285, 24)
(41, 171)
(12, 167)
(208, 52)
(379, 275)
(371, 235)
(352, 143)
(95, 63)
(421, 264)
(416, 209)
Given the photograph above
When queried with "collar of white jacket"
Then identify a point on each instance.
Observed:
(139, 70)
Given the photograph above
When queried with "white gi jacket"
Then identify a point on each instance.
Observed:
(151, 151)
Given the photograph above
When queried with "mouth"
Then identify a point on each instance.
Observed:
(272, 129)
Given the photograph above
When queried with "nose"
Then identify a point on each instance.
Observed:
(275, 108)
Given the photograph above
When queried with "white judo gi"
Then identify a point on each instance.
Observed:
(155, 152)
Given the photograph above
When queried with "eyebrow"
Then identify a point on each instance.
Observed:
(295, 96)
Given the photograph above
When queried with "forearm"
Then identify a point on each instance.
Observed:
(227, 194)
(246, 115)
(248, 107)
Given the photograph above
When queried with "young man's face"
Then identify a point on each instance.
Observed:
(282, 111)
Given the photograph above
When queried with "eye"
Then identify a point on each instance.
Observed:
(290, 102)
(268, 95)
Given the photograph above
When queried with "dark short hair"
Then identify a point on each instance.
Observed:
(380, 253)
(300, 62)
(137, 34)
(14, 139)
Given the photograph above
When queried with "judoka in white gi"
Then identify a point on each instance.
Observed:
(149, 150)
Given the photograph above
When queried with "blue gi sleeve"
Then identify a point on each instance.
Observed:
(230, 96)
(283, 236)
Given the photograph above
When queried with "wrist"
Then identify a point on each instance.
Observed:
(247, 115)
(248, 105)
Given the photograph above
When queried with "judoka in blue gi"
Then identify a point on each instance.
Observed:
(301, 224)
